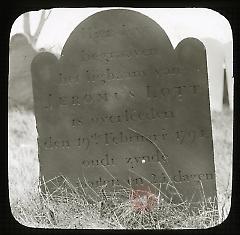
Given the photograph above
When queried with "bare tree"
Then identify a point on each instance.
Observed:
(26, 26)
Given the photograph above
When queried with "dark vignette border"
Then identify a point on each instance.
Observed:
(15, 8)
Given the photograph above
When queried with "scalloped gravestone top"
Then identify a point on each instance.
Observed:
(121, 107)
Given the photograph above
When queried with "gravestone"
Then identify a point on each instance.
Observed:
(228, 49)
(20, 81)
(215, 63)
(122, 108)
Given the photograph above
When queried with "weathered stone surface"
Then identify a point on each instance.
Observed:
(122, 107)
(20, 81)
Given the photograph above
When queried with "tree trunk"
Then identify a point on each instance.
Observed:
(26, 26)
(33, 38)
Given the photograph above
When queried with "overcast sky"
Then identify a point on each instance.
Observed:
(178, 23)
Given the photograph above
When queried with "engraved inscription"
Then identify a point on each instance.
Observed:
(108, 75)
(110, 55)
(179, 177)
(123, 138)
(122, 30)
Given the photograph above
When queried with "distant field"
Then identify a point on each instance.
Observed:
(24, 170)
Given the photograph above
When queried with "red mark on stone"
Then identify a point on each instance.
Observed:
(143, 200)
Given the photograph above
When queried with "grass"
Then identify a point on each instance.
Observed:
(114, 210)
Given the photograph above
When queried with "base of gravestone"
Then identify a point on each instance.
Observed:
(143, 200)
